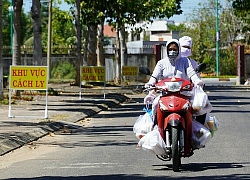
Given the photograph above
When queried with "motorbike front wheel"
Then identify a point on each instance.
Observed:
(175, 149)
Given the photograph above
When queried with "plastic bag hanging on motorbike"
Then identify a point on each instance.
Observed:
(200, 102)
(200, 135)
(204, 110)
(212, 122)
(143, 124)
(152, 142)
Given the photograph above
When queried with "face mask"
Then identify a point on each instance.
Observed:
(172, 54)
(185, 52)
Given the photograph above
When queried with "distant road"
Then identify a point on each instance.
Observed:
(219, 81)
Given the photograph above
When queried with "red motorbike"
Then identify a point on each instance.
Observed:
(174, 117)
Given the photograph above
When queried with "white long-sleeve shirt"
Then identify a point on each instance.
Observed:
(180, 67)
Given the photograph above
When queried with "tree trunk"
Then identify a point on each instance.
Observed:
(123, 49)
(1, 52)
(78, 28)
(124, 46)
(16, 56)
(117, 57)
(100, 50)
(85, 57)
(91, 57)
(37, 30)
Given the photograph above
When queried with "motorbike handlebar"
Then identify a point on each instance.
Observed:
(148, 88)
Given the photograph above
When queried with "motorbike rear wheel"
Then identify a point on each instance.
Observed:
(175, 149)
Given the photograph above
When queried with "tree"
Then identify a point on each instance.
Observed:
(63, 32)
(202, 30)
(121, 12)
(125, 12)
(242, 11)
(100, 44)
(37, 30)
(16, 56)
(1, 50)
(178, 28)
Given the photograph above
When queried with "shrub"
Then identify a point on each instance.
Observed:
(64, 70)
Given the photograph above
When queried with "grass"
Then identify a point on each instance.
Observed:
(58, 81)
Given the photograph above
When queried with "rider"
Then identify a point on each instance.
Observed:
(186, 51)
(172, 66)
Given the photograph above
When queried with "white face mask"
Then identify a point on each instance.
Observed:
(185, 52)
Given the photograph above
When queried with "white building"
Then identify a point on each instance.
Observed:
(155, 31)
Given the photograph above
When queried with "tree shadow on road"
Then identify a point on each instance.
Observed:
(138, 177)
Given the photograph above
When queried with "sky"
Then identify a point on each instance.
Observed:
(28, 3)
(187, 7)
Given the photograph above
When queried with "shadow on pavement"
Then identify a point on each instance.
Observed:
(137, 176)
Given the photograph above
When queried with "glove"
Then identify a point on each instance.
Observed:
(148, 85)
(149, 98)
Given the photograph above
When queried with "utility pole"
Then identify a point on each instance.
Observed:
(49, 38)
(217, 39)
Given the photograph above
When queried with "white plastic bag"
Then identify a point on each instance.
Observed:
(143, 125)
(200, 98)
(203, 110)
(200, 135)
(212, 122)
(152, 142)
(200, 103)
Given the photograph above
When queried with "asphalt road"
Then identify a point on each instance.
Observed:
(219, 81)
(104, 147)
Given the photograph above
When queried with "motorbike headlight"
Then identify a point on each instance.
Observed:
(173, 86)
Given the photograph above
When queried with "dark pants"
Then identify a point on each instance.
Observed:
(201, 119)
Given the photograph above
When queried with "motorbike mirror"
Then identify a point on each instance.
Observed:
(144, 70)
(201, 67)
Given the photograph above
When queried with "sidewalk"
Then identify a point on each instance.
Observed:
(29, 122)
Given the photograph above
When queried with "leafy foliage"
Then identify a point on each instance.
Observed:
(6, 19)
(126, 11)
(63, 33)
(202, 30)
(241, 5)
(64, 70)
(242, 10)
